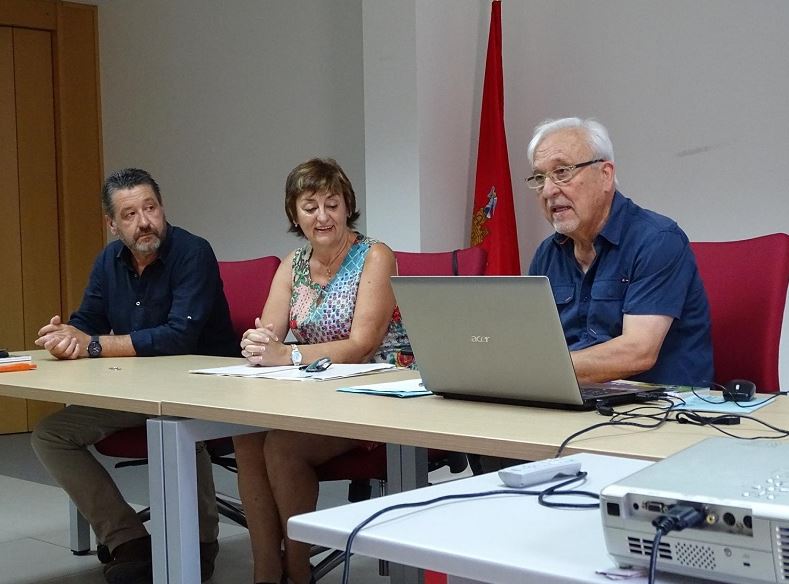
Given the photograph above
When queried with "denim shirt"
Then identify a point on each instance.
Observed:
(176, 306)
(643, 265)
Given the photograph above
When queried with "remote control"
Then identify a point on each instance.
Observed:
(540, 471)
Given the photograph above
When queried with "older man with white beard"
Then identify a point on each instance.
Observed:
(624, 279)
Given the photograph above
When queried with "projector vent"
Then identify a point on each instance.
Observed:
(695, 556)
(643, 547)
(782, 536)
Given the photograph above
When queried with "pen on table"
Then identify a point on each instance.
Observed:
(17, 367)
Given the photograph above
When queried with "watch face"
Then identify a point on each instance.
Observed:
(94, 348)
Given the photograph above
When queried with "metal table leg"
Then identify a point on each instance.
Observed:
(406, 469)
(173, 494)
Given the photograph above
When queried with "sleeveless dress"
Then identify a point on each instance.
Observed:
(321, 314)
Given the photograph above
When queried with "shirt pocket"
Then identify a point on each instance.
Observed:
(609, 290)
(563, 294)
(605, 313)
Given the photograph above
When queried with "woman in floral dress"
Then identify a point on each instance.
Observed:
(335, 296)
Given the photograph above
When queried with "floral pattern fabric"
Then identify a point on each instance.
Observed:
(321, 314)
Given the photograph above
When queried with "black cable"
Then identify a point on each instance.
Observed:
(654, 556)
(780, 432)
(676, 518)
(553, 491)
(696, 417)
(659, 419)
(550, 491)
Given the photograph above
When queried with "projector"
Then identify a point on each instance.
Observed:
(742, 489)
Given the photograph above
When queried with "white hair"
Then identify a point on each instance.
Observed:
(596, 136)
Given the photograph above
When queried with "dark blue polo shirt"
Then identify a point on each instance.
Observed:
(644, 265)
(176, 306)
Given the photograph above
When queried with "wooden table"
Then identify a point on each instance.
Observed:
(197, 407)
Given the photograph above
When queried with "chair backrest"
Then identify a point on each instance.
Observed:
(247, 283)
(470, 261)
(746, 283)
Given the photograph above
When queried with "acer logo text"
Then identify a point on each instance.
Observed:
(479, 339)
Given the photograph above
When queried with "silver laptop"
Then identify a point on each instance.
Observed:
(497, 338)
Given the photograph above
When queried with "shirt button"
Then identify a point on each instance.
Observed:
(137, 303)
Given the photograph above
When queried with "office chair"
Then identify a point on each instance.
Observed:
(746, 283)
(470, 261)
(362, 467)
(246, 286)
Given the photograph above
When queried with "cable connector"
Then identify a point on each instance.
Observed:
(677, 518)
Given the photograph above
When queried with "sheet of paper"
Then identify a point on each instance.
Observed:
(405, 388)
(245, 370)
(15, 359)
(694, 402)
(292, 373)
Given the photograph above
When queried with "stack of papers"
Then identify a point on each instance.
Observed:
(293, 373)
(15, 359)
(407, 388)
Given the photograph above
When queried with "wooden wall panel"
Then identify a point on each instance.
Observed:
(13, 415)
(80, 147)
(28, 13)
(13, 412)
(12, 334)
(51, 226)
(38, 197)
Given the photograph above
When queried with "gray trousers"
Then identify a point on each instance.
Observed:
(60, 441)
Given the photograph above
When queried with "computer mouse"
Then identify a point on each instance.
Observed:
(739, 390)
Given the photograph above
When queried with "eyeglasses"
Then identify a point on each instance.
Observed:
(560, 175)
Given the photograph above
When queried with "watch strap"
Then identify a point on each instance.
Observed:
(295, 355)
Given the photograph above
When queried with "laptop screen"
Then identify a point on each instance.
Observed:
(488, 337)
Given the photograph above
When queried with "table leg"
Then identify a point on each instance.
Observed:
(156, 500)
(406, 469)
(79, 531)
(172, 477)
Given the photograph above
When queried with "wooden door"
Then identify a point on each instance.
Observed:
(50, 173)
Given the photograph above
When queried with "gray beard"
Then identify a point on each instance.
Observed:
(142, 248)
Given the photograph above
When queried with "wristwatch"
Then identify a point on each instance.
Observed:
(94, 347)
(295, 355)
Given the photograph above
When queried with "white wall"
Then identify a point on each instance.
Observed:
(692, 91)
(219, 100)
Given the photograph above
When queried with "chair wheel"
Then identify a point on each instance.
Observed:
(103, 553)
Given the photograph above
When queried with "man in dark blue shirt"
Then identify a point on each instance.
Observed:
(625, 281)
(156, 291)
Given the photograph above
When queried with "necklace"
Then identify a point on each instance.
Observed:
(328, 266)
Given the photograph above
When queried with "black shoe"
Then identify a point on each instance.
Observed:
(131, 563)
(208, 553)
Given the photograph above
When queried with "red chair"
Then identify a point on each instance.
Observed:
(746, 283)
(246, 285)
(470, 261)
(362, 466)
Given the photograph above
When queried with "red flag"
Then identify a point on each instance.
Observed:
(493, 222)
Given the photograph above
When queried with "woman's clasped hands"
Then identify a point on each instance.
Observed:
(261, 346)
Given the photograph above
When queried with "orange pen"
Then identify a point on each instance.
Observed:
(17, 367)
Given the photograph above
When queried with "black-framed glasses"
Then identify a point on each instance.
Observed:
(560, 175)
